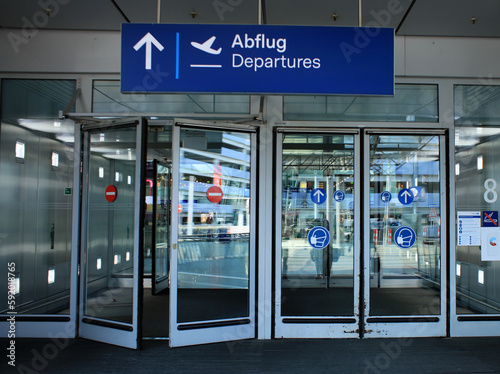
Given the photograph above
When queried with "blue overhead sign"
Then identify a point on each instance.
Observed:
(257, 59)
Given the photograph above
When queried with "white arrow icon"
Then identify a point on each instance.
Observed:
(317, 193)
(148, 39)
(406, 195)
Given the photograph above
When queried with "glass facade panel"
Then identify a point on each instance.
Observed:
(35, 98)
(36, 184)
(107, 98)
(410, 103)
(477, 155)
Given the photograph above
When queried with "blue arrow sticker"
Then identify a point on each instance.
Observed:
(318, 196)
(405, 196)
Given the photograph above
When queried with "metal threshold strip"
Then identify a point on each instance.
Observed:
(408, 319)
(204, 325)
(319, 320)
(112, 325)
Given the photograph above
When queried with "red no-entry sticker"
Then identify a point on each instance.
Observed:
(214, 194)
(110, 193)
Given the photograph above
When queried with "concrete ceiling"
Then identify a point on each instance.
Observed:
(476, 18)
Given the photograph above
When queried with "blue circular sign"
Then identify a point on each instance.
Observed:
(318, 196)
(318, 237)
(339, 196)
(405, 196)
(386, 196)
(405, 237)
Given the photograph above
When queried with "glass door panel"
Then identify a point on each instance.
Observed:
(157, 228)
(162, 227)
(403, 184)
(213, 255)
(331, 281)
(111, 233)
(316, 241)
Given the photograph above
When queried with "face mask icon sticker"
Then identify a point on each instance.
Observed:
(318, 237)
(405, 237)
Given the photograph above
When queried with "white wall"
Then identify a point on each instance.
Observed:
(50, 51)
(448, 57)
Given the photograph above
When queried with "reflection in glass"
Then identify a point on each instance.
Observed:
(477, 116)
(110, 226)
(410, 103)
(36, 213)
(36, 196)
(317, 281)
(107, 98)
(162, 221)
(214, 226)
(163, 226)
(405, 242)
(157, 230)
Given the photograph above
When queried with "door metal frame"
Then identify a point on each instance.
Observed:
(111, 332)
(416, 325)
(315, 327)
(212, 331)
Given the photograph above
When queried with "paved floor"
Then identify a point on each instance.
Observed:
(367, 356)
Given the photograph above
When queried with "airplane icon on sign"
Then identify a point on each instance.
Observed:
(207, 46)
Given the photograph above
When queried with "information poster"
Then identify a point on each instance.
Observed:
(469, 228)
(490, 244)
